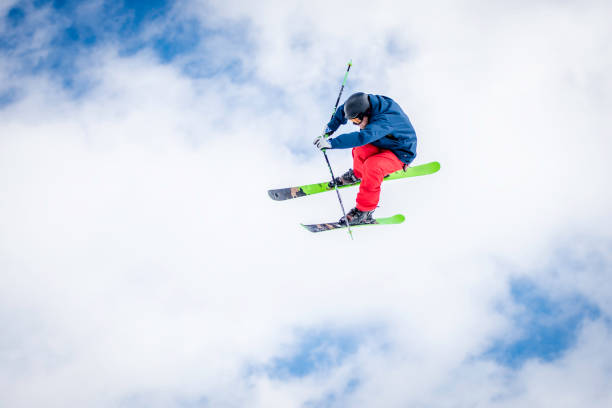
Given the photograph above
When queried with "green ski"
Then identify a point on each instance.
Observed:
(301, 191)
(396, 219)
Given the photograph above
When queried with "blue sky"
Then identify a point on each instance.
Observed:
(545, 327)
(317, 351)
(138, 139)
(72, 31)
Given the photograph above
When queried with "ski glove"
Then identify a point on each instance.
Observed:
(322, 143)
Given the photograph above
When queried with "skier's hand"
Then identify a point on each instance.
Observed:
(322, 143)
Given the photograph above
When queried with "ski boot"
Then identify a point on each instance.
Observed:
(356, 216)
(345, 179)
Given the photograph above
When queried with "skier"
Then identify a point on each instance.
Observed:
(385, 143)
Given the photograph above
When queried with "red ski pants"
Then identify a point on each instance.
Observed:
(371, 165)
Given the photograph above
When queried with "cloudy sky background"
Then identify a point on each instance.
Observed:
(143, 264)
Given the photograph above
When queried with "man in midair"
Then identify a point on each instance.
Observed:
(385, 143)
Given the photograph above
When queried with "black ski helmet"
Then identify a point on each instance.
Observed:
(357, 106)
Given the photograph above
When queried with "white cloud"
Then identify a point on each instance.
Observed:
(142, 261)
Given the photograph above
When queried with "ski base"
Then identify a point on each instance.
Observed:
(301, 191)
(396, 219)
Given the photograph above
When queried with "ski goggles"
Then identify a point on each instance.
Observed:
(356, 121)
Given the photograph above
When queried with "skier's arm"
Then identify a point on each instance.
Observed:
(336, 120)
(367, 135)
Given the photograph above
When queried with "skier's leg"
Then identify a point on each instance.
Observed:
(360, 155)
(374, 169)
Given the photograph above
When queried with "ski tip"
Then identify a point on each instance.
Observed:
(432, 167)
(395, 219)
(274, 195)
(282, 194)
(311, 228)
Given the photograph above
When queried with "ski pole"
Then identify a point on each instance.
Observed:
(350, 63)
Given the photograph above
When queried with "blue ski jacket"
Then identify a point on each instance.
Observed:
(388, 128)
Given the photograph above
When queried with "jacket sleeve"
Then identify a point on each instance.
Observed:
(367, 135)
(336, 120)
